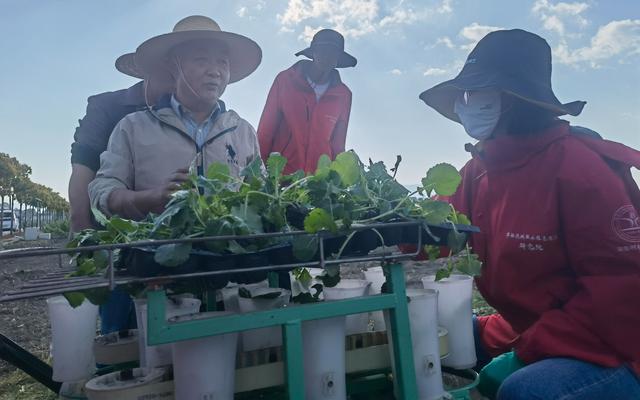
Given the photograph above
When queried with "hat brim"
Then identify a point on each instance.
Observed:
(345, 60)
(442, 96)
(126, 64)
(244, 54)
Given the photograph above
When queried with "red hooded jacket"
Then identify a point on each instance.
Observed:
(300, 128)
(560, 243)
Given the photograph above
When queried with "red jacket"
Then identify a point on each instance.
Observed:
(560, 243)
(300, 128)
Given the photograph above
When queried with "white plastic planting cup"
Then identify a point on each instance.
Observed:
(375, 275)
(356, 323)
(157, 356)
(72, 333)
(230, 294)
(323, 342)
(455, 315)
(205, 368)
(297, 288)
(423, 317)
(265, 337)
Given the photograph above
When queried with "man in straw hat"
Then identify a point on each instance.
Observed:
(104, 111)
(560, 243)
(307, 111)
(149, 152)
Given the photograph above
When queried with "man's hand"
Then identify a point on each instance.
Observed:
(160, 196)
(137, 204)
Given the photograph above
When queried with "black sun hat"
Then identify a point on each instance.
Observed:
(514, 61)
(329, 37)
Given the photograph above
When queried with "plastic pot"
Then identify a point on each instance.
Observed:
(205, 368)
(117, 347)
(375, 276)
(72, 333)
(156, 356)
(425, 342)
(455, 314)
(126, 385)
(264, 337)
(324, 347)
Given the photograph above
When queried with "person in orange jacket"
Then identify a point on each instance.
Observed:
(307, 110)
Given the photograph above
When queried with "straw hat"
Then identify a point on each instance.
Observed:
(244, 54)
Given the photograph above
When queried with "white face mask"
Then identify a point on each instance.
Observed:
(479, 112)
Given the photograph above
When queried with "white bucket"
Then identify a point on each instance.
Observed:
(455, 314)
(113, 386)
(375, 275)
(156, 356)
(265, 337)
(323, 343)
(423, 318)
(205, 368)
(72, 334)
(348, 288)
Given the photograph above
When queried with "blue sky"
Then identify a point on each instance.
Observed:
(57, 53)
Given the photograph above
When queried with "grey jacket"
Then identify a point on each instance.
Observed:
(146, 147)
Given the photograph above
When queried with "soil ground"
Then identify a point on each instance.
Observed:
(26, 322)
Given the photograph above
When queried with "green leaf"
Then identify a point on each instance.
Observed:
(305, 247)
(101, 259)
(303, 276)
(435, 211)
(235, 247)
(442, 274)
(324, 165)
(456, 241)
(462, 219)
(329, 280)
(317, 220)
(75, 299)
(469, 265)
(432, 251)
(443, 178)
(123, 225)
(99, 216)
(250, 216)
(253, 170)
(172, 255)
(86, 267)
(275, 165)
(219, 171)
(98, 296)
(347, 165)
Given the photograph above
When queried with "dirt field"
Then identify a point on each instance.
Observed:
(26, 321)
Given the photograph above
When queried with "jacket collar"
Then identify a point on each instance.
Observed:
(512, 151)
(165, 113)
(297, 71)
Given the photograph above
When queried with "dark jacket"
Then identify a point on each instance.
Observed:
(104, 111)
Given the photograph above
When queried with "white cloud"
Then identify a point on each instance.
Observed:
(355, 18)
(554, 17)
(242, 12)
(446, 41)
(473, 33)
(435, 72)
(620, 39)
(395, 71)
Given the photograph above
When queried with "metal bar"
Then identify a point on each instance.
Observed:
(405, 376)
(294, 361)
(160, 331)
(112, 284)
(30, 295)
(17, 253)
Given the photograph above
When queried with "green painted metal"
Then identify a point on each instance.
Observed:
(405, 376)
(292, 331)
(290, 318)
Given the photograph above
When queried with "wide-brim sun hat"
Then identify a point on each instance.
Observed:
(126, 64)
(244, 54)
(329, 37)
(514, 61)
